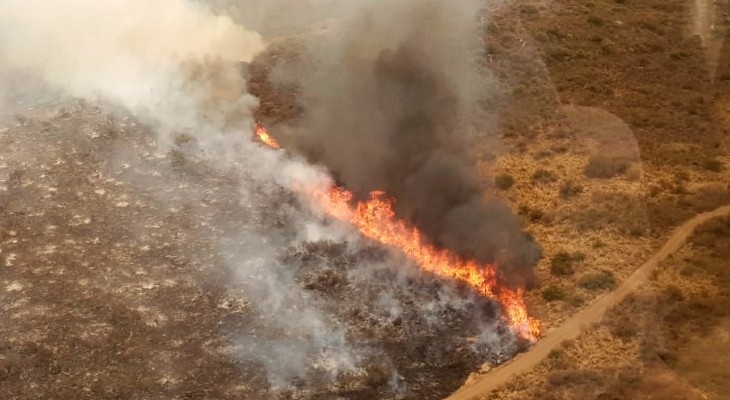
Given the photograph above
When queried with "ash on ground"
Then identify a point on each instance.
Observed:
(120, 278)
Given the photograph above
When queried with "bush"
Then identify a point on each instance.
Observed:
(573, 377)
(604, 167)
(711, 232)
(177, 158)
(602, 280)
(712, 165)
(558, 53)
(504, 181)
(529, 9)
(377, 374)
(535, 215)
(576, 301)
(556, 354)
(562, 263)
(553, 293)
(183, 139)
(672, 294)
(570, 189)
(624, 328)
(597, 21)
(637, 231)
(543, 176)
(634, 172)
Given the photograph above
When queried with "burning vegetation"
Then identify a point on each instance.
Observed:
(375, 219)
(264, 136)
(296, 305)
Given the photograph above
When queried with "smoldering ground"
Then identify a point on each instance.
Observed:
(321, 313)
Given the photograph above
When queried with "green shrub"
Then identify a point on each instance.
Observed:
(553, 293)
(594, 281)
(504, 181)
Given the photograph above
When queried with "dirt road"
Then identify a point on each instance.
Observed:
(594, 313)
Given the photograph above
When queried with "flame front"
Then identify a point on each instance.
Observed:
(265, 138)
(376, 220)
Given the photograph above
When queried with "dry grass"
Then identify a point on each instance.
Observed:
(606, 166)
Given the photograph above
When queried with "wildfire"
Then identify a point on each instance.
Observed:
(264, 136)
(376, 220)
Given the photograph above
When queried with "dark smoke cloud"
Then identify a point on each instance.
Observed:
(391, 108)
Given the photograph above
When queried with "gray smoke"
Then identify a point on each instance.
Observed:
(177, 66)
(390, 106)
(394, 104)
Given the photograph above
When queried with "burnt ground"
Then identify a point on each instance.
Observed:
(113, 282)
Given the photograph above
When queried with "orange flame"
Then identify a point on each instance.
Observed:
(376, 220)
(265, 138)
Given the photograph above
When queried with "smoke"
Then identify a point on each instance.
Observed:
(394, 104)
(171, 61)
(284, 17)
(179, 67)
(308, 344)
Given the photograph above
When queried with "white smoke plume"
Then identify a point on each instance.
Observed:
(178, 66)
(143, 55)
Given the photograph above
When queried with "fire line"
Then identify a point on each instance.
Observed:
(376, 220)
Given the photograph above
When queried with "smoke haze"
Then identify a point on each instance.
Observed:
(391, 106)
(178, 67)
(152, 57)
(394, 104)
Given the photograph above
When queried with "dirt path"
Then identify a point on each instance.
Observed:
(571, 328)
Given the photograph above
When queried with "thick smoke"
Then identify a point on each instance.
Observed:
(394, 105)
(389, 108)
